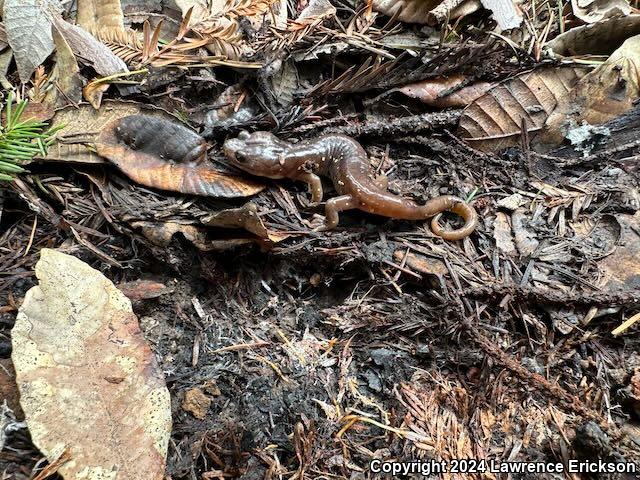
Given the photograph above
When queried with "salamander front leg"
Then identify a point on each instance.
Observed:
(332, 208)
(315, 185)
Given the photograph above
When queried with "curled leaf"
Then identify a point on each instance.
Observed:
(603, 94)
(601, 38)
(435, 91)
(494, 121)
(411, 11)
(89, 383)
(591, 11)
(165, 155)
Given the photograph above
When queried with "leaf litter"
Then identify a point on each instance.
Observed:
(293, 353)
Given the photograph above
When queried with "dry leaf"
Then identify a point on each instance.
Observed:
(591, 11)
(88, 381)
(494, 121)
(89, 50)
(603, 94)
(100, 15)
(196, 403)
(410, 11)
(93, 92)
(601, 38)
(83, 124)
(65, 76)
(433, 91)
(506, 14)
(621, 269)
(28, 26)
(143, 289)
(161, 234)
(172, 163)
(502, 235)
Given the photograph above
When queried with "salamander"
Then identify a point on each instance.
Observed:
(345, 162)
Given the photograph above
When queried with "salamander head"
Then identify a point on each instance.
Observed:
(259, 153)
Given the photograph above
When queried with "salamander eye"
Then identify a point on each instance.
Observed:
(241, 157)
(244, 135)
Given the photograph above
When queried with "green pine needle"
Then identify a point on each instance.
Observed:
(20, 140)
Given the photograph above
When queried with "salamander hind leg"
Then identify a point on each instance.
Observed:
(332, 208)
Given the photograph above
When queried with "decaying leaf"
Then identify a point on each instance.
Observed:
(161, 154)
(505, 12)
(65, 76)
(591, 11)
(97, 15)
(603, 94)
(503, 236)
(441, 93)
(89, 50)
(601, 38)
(196, 403)
(410, 11)
(143, 289)
(88, 381)
(161, 234)
(28, 26)
(621, 269)
(83, 124)
(93, 91)
(495, 120)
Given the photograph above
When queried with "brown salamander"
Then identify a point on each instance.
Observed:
(345, 162)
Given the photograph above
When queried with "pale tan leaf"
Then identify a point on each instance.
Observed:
(96, 15)
(200, 9)
(411, 11)
(88, 381)
(434, 91)
(494, 121)
(93, 92)
(591, 11)
(601, 38)
(603, 94)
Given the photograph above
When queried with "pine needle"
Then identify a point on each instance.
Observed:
(20, 140)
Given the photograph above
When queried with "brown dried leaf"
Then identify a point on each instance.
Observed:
(167, 156)
(196, 403)
(65, 76)
(93, 92)
(411, 11)
(494, 121)
(433, 91)
(601, 38)
(88, 381)
(143, 289)
(591, 11)
(603, 94)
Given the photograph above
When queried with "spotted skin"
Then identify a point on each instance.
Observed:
(345, 162)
